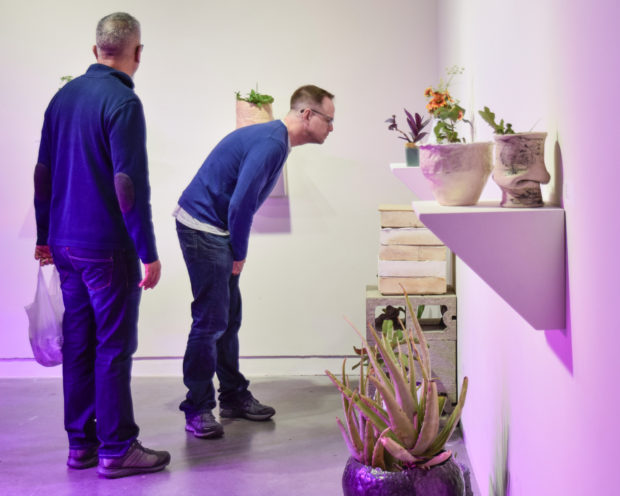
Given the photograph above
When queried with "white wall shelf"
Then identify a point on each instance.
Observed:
(519, 253)
(414, 179)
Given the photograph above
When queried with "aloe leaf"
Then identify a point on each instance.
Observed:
(436, 460)
(452, 422)
(426, 356)
(369, 442)
(425, 373)
(339, 385)
(345, 379)
(380, 424)
(375, 407)
(347, 440)
(378, 456)
(442, 403)
(422, 403)
(354, 432)
(401, 385)
(400, 423)
(430, 425)
(413, 386)
(371, 355)
(397, 450)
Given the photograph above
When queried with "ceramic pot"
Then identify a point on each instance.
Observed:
(412, 155)
(445, 479)
(519, 168)
(457, 171)
(250, 113)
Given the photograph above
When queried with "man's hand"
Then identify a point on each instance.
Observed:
(152, 273)
(43, 254)
(237, 267)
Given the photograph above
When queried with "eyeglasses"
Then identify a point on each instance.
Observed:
(326, 118)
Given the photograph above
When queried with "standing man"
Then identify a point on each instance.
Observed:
(92, 203)
(213, 220)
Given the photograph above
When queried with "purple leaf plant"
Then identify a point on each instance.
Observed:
(416, 125)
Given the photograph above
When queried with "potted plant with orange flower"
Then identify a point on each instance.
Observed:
(457, 170)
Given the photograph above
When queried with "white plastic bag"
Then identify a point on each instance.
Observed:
(45, 320)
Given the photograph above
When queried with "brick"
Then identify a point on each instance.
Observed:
(411, 268)
(412, 252)
(413, 285)
(409, 236)
(398, 216)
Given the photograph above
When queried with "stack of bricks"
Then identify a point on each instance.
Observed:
(410, 254)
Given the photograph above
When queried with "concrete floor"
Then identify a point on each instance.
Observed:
(300, 452)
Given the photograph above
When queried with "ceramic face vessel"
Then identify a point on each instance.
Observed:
(519, 169)
(457, 171)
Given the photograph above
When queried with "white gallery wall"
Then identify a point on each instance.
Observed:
(375, 57)
(542, 405)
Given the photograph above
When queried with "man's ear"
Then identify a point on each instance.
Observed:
(95, 52)
(138, 54)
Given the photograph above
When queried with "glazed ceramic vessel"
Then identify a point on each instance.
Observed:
(519, 169)
(412, 155)
(457, 171)
(445, 479)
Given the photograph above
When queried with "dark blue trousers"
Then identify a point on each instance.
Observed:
(101, 296)
(213, 343)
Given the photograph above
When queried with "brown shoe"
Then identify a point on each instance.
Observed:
(137, 460)
(83, 458)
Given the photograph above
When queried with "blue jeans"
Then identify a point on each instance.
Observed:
(101, 296)
(213, 343)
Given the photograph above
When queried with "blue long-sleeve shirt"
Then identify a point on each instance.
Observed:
(91, 181)
(236, 179)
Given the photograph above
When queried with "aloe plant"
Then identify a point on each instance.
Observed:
(399, 425)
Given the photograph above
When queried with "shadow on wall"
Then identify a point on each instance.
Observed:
(499, 482)
(560, 340)
(274, 216)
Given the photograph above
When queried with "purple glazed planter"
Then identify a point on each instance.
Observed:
(445, 479)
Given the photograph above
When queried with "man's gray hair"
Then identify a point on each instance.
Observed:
(114, 31)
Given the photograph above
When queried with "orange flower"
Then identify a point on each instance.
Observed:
(439, 99)
(460, 115)
(428, 92)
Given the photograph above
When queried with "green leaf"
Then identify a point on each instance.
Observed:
(347, 440)
(400, 423)
(400, 384)
(430, 425)
(452, 422)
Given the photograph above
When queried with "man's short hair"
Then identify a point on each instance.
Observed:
(309, 94)
(114, 31)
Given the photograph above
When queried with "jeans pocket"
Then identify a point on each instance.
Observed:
(95, 266)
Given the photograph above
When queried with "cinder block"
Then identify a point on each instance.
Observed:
(441, 336)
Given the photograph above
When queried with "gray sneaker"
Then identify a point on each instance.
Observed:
(137, 460)
(250, 409)
(83, 458)
(203, 425)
